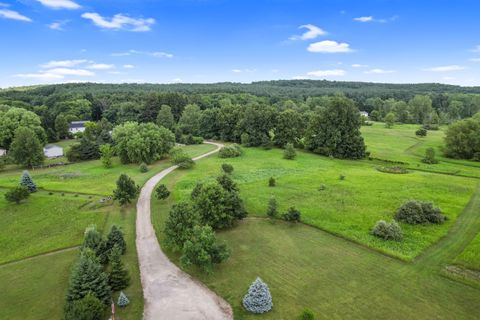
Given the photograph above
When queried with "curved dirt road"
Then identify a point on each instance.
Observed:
(170, 293)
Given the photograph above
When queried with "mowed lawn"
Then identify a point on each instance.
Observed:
(91, 177)
(470, 257)
(348, 207)
(401, 144)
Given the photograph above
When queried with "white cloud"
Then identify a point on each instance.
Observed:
(14, 15)
(329, 46)
(157, 54)
(475, 59)
(357, 65)
(448, 78)
(59, 4)
(445, 68)
(364, 19)
(327, 73)
(43, 76)
(71, 72)
(177, 80)
(100, 66)
(58, 25)
(236, 70)
(311, 33)
(128, 66)
(244, 70)
(120, 22)
(476, 49)
(379, 71)
(62, 63)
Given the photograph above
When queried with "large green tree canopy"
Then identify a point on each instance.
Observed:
(463, 139)
(145, 142)
(13, 118)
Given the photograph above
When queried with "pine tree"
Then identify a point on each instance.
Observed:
(115, 237)
(87, 308)
(126, 189)
(258, 298)
(27, 181)
(118, 278)
(272, 211)
(289, 153)
(122, 300)
(88, 276)
(162, 192)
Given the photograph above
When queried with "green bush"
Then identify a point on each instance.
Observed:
(87, 308)
(421, 132)
(162, 192)
(182, 159)
(387, 231)
(272, 210)
(17, 194)
(307, 314)
(272, 182)
(289, 153)
(230, 151)
(143, 167)
(292, 215)
(429, 156)
(342, 177)
(418, 212)
(227, 168)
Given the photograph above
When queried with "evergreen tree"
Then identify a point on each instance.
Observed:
(106, 151)
(272, 210)
(17, 194)
(258, 298)
(27, 181)
(289, 153)
(93, 240)
(26, 148)
(87, 308)
(162, 192)
(271, 182)
(292, 215)
(227, 168)
(126, 189)
(118, 277)
(335, 130)
(115, 237)
(122, 300)
(88, 276)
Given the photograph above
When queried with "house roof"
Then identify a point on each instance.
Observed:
(77, 124)
(51, 146)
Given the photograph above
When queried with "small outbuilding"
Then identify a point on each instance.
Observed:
(77, 126)
(364, 114)
(2, 152)
(52, 151)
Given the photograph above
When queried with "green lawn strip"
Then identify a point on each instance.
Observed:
(470, 257)
(90, 177)
(348, 208)
(34, 289)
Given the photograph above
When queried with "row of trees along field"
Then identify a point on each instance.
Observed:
(233, 112)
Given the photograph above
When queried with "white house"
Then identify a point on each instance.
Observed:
(3, 152)
(77, 126)
(52, 151)
(364, 114)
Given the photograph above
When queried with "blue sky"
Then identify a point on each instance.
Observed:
(55, 41)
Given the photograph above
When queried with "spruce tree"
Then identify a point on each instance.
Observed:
(289, 153)
(27, 181)
(122, 300)
(118, 277)
(115, 237)
(258, 298)
(17, 194)
(87, 308)
(88, 276)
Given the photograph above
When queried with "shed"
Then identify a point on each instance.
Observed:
(77, 126)
(52, 151)
(3, 152)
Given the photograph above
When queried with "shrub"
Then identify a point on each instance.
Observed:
(227, 168)
(191, 139)
(122, 300)
(272, 210)
(394, 170)
(162, 192)
(289, 153)
(258, 298)
(179, 225)
(307, 314)
(27, 181)
(126, 189)
(271, 182)
(106, 152)
(342, 177)
(418, 212)
(292, 215)
(322, 187)
(87, 308)
(17, 194)
(433, 127)
(182, 159)
(143, 167)
(421, 132)
(387, 231)
(430, 156)
(230, 151)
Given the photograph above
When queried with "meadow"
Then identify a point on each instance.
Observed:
(40, 237)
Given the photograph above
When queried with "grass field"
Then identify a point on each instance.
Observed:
(347, 207)
(470, 257)
(90, 177)
(34, 288)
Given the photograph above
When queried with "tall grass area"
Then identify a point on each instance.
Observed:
(348, 207)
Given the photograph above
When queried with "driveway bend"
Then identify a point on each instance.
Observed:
(169, 292)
